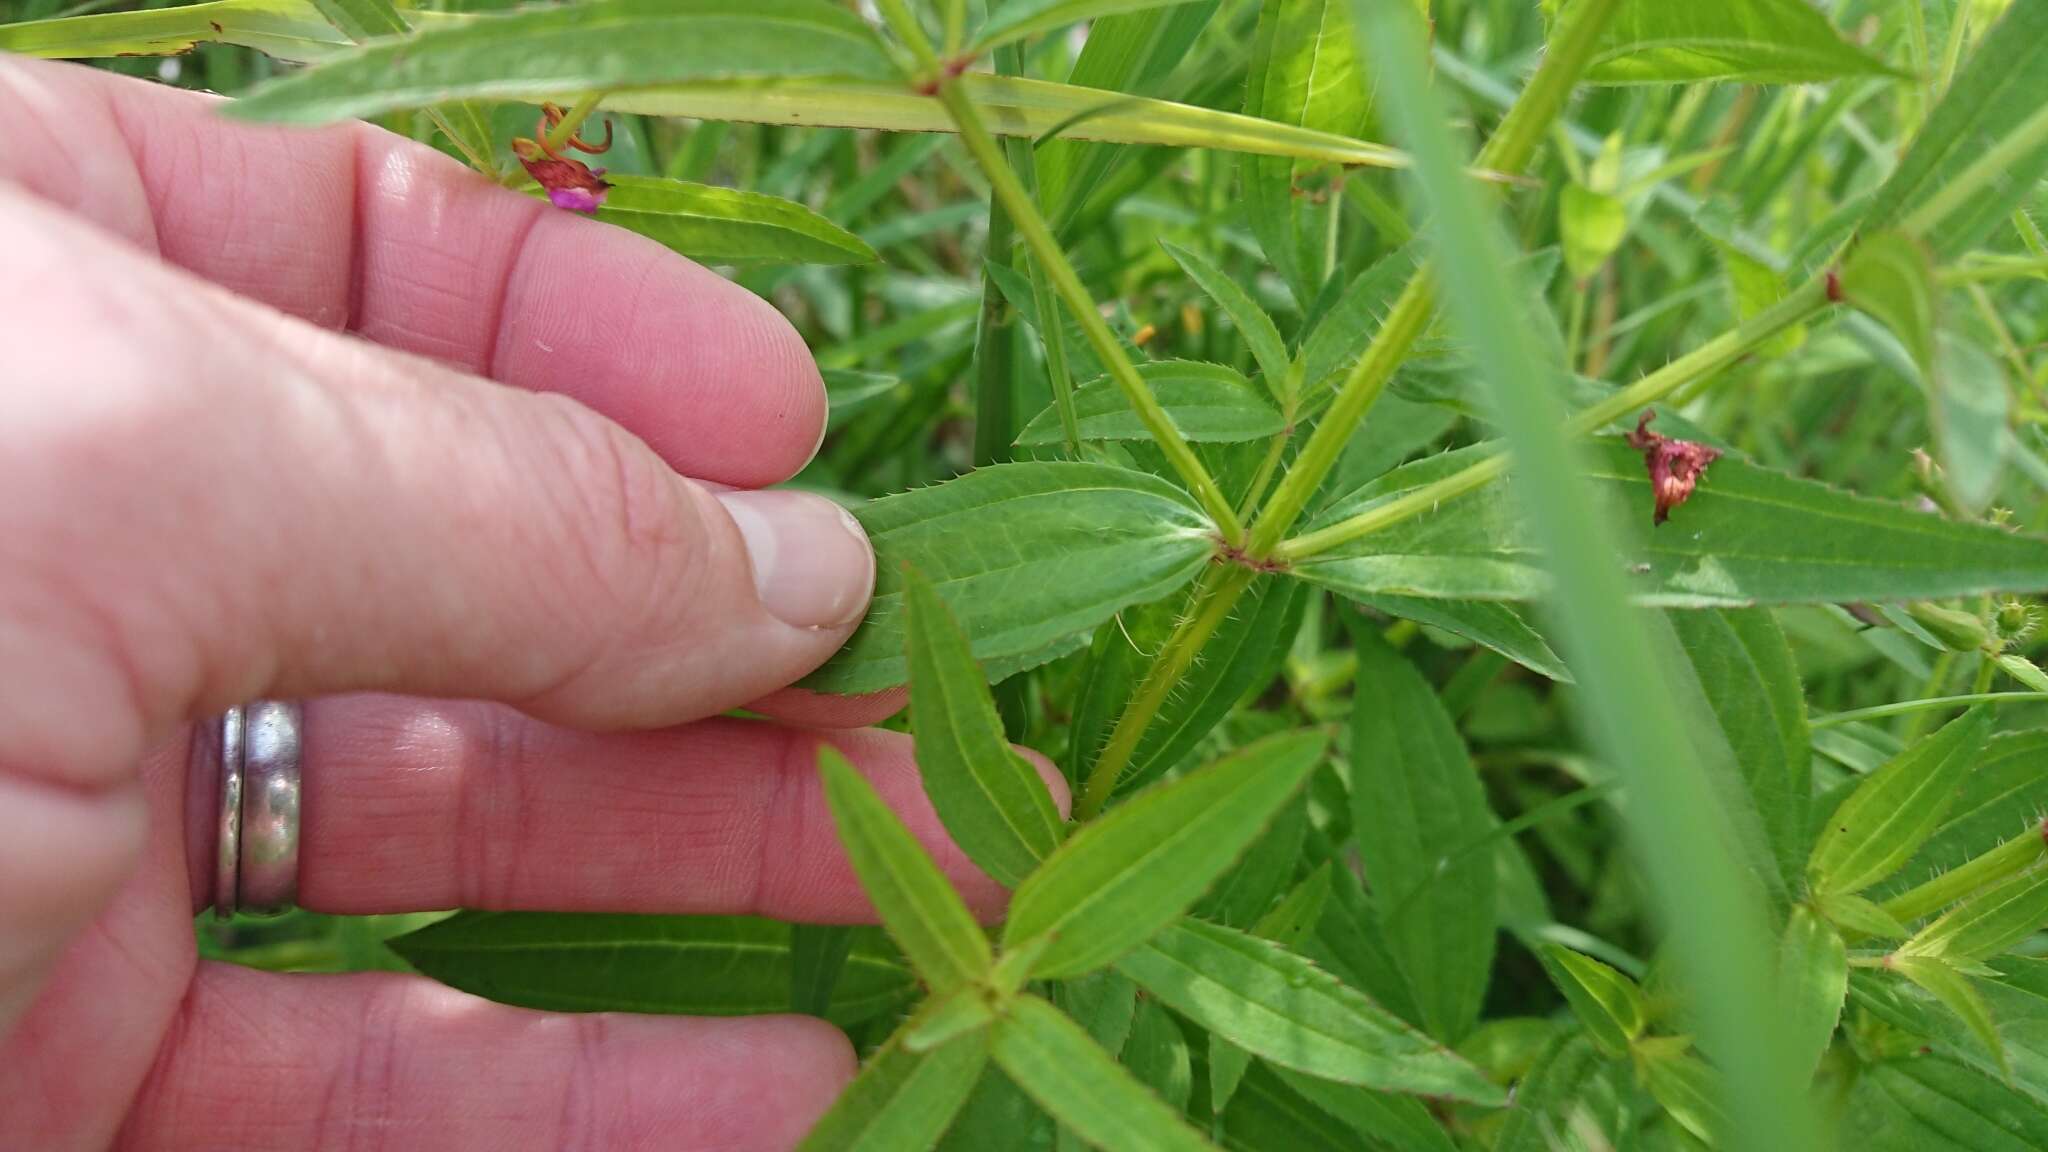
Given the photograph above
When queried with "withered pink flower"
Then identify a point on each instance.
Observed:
(570, 183)
(1675, 466)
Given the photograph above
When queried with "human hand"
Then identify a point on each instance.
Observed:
(210, 495)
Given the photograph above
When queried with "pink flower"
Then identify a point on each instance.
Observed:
(570, 183)
(1675, 466)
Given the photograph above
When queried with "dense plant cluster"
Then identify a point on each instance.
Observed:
(1535, 630)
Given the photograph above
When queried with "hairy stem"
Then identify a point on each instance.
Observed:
(1216, 593)
(2008, 859)
(1508, 152)
(1700, 363)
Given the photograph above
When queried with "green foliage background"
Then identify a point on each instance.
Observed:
(1225, 440)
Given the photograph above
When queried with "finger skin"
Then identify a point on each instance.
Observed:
(225, 503)
(383, 1060)
(413, 805)
(352, 227)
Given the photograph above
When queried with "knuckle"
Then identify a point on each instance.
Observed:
(630, 534)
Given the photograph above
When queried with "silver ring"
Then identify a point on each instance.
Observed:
(256, 867)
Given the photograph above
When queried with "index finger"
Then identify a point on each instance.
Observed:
(352, 227)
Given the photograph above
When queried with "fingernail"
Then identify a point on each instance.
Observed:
(812, 564)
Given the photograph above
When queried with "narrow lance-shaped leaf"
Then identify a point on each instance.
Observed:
(1253, 325)
(1121, 879)
(1983, 148)
(1895, 809)
(1057, 1065)
(1945, 982)
(1157, 1054)
(1278, 1006)
(286, 29)
(990, 798)
(1757, 41)
(1016, 19)
(917, 905)
(1505, 628)
(1813, 977)
(727, 225)
(684, 965)
(1415, 796)
(1746, 536)
(1207, 402)
(1398, 1123)
(1607, 1002)
(1987, 923)
(902, 1099)
(1690, 1091)
(540, 53)
(817, 958)
(1028, 557)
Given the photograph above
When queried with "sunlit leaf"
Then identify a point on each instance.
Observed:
(1895, 809)
(917, 905)
(1126, 876)
(1813, 978)
(1757, 41)
(1608, 1003)
(1016, 19)
(902, 1099)
(1028, 557)
(1055, 1062)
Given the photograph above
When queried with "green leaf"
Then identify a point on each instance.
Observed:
(1941, 979)
(1011, 106)
(728, 226)
(286, 29)
(1987, 923)
(998, 1117)
(1017, 19)
(682, 965)
(1569, 1089)
(540, 53)
(902, 1099)
(1754, 41)
(1747, 675)
(1591, 226)
(1757, 286)
(1128, 875)
(1608, 1003)
(1890, 276)
(1746, 536)
(1932, 1104)
(1341, 336)
(1414, 797)
(1280, 1007)
(1855, 914)
(1813, 977)
(1157, 1054)
(363, 19)
(1207, 402)
(1895, 809)
(1395, 1122)
(463, 122)
(817, 959)
(943, 1019)
(2004, 794)
(1242, 657)
(1305, 73)
(1350, 943)
(1057, 1065)
(1027, 556)
(1969, 401)
(1982, 148)
(1689, 1090)
(989, 797)
(1245, 892)
(917, 905)
(1252, 323)
(1500, 627)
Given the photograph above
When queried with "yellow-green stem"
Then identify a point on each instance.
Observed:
(559, 135)
(1276, 451)
(1216, 593)
(1052, 262)
(1507, 152)
(2008, 859)
(1703, 361)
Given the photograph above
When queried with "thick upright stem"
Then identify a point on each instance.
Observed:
(2008, 859)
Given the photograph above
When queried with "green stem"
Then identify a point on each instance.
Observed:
(1931, 703)
(1508, 151)
(1216, 593)
(1052, 261)
(2008, 859)
(1703, 361)
(558, 136)
(1276, 451)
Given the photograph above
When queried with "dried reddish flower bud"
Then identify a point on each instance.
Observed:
(1675, 466)
(570, 183)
